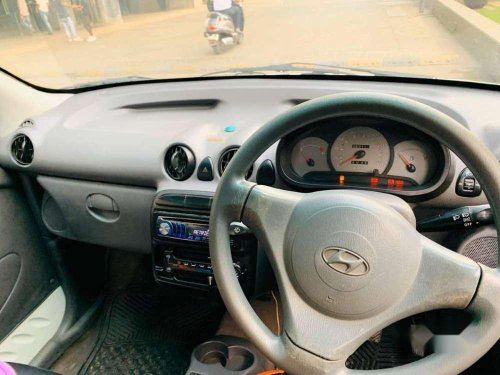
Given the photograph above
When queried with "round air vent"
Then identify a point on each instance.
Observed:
(226, 157)
(179, 162)
(22, 150)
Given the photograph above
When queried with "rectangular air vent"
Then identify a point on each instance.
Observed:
(174, 105)
(298, 101)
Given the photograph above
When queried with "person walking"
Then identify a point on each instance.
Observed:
(82, 10)
(66, 20)
(24, 15)
(43, 10)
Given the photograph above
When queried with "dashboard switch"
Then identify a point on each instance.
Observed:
(266, 174)
(467, 184)
(205, 170)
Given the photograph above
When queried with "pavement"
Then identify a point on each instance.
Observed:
(388, 35)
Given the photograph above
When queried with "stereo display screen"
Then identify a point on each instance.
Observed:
(181, 230)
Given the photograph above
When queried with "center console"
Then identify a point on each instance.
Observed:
(180, 242)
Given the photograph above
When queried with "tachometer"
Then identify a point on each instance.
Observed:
(360, 149)
(310, 155)
(413, 159)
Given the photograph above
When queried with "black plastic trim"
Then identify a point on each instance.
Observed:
(67, 335)
(173, 104)
(223, 152)
(266, 174)
(18, 162)
(395, 79)
(191, 159)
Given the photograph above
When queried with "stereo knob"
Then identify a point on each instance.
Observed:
(165, 228)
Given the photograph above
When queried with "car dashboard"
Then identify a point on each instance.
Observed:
(134, 167)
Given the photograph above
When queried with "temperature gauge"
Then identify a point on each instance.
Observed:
(413, 159)
(310, 155)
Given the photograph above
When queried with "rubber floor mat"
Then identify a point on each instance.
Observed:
(380, 352)
(150, 332)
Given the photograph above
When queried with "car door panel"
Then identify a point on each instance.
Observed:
(26, 273)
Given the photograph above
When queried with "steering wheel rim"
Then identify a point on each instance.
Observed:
(263, 207)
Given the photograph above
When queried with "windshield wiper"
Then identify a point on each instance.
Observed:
(297, 69)
(109, 81)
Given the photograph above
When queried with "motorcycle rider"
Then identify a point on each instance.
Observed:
(230, 8)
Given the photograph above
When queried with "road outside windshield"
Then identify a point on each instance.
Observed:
(70, 43)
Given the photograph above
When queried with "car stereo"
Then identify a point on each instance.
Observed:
(181, 253)
(181, 230)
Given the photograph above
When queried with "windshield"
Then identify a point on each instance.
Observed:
(72, 43)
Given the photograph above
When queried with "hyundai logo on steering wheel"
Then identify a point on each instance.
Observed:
(345, 261)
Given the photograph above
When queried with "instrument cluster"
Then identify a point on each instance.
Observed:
(368, 153)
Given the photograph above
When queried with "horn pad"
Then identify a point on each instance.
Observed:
(350, 260)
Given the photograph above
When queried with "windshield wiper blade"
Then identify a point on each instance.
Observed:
(109, 81)
(297, 68)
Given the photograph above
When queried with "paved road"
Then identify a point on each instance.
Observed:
(388, 35)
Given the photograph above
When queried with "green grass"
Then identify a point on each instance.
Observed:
(492, 14)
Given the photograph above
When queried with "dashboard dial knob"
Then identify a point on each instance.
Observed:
(165, 228)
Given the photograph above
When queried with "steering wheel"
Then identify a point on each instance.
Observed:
(349, 263)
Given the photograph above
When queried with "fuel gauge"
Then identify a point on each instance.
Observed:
(309, 155)
(413, 159)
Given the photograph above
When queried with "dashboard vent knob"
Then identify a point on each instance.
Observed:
(226, 157)
(22, 150)
(179, 162)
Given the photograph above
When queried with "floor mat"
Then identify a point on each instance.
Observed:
(151, 332)
(384, 350)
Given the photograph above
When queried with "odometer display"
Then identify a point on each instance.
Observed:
(360, 149)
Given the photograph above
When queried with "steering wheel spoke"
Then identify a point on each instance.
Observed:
(445, 279)
(470, 344)
(267, 213)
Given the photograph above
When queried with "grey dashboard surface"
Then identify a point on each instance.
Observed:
(119, 136)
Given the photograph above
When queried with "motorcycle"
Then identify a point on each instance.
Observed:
(221, 32)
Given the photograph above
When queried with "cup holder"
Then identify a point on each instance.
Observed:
(211, 353)
(233, 358)
(240, 359)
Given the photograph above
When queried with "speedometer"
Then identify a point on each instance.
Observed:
(360, 149)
